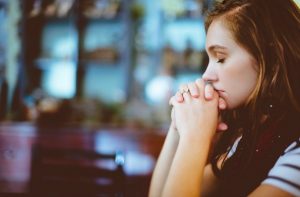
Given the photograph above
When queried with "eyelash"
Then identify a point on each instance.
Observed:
(221, 60)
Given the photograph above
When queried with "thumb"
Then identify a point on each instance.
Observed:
(208, 91)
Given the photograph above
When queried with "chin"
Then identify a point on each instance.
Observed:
(231, 106)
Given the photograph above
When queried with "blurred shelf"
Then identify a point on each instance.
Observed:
(187, 70)
(46, 63)
(186, 18)
(99, 62)
(104, 19)
(58, 19)
(88, 19)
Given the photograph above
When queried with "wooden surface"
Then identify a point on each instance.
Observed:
(141, 149)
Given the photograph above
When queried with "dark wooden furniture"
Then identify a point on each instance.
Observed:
(140, 148)
(76, 172)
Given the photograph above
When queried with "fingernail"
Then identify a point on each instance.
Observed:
(224, 127)
(209, 95)
(179, 99)
(222, 106)
(195, 95)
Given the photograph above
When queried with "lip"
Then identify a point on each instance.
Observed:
(218, 90)
(222, 93)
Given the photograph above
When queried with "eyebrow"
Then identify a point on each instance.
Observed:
(214, 47)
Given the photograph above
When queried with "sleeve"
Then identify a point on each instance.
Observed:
(285, 174)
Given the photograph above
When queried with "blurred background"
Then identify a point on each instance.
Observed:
(90, 78)
(111, 62)
(93, 76)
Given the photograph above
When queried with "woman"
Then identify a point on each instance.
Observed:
(252, 83)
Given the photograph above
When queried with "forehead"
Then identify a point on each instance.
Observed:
(219, 35)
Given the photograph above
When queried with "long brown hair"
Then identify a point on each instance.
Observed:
(269, 30)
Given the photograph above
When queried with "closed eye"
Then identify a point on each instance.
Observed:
(221, 60)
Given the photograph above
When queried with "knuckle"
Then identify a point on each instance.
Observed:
(183, 85)
(198, 80)
(191, 85)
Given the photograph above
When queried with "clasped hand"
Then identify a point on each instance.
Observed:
(196, 108)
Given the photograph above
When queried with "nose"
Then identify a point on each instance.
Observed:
(210, 74)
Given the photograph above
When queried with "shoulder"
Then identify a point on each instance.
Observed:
(285, 174)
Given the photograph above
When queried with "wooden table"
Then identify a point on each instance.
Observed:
(141, 148)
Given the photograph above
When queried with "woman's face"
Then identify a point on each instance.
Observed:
(231, 69)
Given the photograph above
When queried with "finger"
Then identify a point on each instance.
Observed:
(222, 104)
(208, 91)
(186, 96)
(172, 114)
(183, 88)
(194, 90)
(222, 126)
(179, 97)
(200, 85)
(172, 101)
(173, 123)
(173, 118)
(215, 94)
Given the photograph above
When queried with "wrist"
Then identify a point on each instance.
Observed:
(173, 133)
(196, 136)
(195, 145)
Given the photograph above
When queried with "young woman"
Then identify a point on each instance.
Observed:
(252, 83)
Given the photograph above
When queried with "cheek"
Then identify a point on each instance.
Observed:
(236, 97)
(239, 95)
(239, 80)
